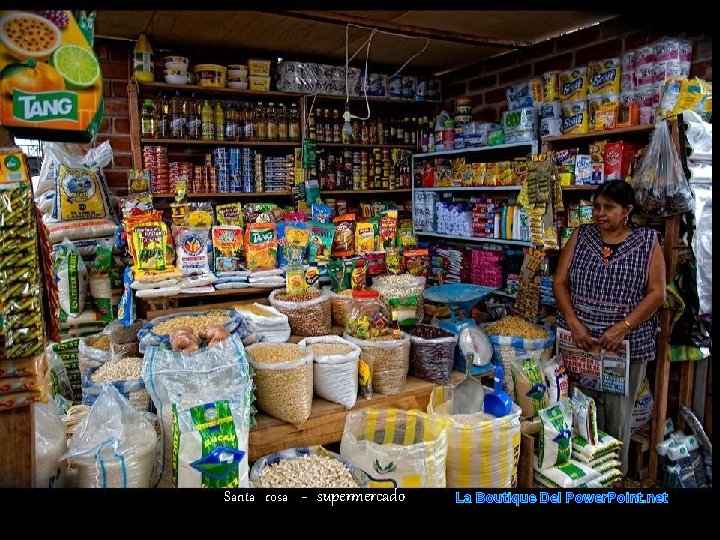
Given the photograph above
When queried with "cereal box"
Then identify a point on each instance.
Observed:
(50, 79)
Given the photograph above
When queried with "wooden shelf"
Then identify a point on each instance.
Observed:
(579, 188)
(375, 99)
(470, 188)
(361, 192)
(327, 420)
(193, 142)
(474, 239)
(532, 145)
(206, 90)
(366, 146)
(238, 195)
(633, 130)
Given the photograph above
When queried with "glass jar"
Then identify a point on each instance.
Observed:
(369, 318)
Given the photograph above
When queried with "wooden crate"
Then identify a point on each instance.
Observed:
(639, 455)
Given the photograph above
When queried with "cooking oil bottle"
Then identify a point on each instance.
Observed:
(208, 122)
(219, 123)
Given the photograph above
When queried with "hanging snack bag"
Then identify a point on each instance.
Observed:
(72, 279)
(192, 254)
(321, 213)
(147, 240)
(393, 261)
(417, 262)
(388, 231)
(228, 252)
(260, 246)
(229, 214)
(100, 287)
(405, 235)
(344, 242)
(320, 242)
(364, 237)
(200, 215)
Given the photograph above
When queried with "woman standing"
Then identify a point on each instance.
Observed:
(609, 284)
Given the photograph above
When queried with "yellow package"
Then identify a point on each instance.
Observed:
(260, 246)
(155, 276)
(573, 84)
(536, 90)
(79, 194)
(229, 214)
(603, 110)
(199, 215)
(147, 240)
(364, 237)
(478, 173)
(550, 86)
(575, 117)
(491, 174)
(604, 76)
(506, 173)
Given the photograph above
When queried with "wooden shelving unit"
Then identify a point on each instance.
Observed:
(366, 146)
(194, 142)
(361, 192)
(234, 195)
(618, 132)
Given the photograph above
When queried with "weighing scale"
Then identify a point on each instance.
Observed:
(460, 298)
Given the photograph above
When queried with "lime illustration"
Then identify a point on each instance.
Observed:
(77, 65)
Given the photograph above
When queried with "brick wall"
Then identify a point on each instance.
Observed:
(114, 58)
(486, 82)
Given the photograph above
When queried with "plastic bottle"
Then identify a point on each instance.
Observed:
(231, 122)
(282, 123)
(260, 123)
(250, 115)
(148, 119)
(272, 123)
(177, 120)
(143, 61)
(193, 123)
(294, 125)
(162, 105)
(208, 122)
(219, 122)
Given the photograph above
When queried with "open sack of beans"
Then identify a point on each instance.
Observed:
(115, 446)
(515, 338)
(283, 375)
(184, 384)
(157, 331)
(342, 304)
(306, 467)
(124, 375)
(309, 313)
(387, 359)
(335, 368)
(396, 448)
(432, 351)
(483, 450)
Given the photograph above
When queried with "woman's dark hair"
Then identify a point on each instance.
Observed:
(617, 191)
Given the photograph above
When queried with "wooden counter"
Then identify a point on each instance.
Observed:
(327, 420)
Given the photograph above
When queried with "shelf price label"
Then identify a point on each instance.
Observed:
(309, 153)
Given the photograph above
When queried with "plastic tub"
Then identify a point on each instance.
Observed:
(237, 84)
(210, 75)
(176, 62)
(237, 71)
(259, 67)
(259, 83)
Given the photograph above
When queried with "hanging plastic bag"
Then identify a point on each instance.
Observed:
(660, 184)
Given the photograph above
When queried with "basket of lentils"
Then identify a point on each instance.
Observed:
(308, 313)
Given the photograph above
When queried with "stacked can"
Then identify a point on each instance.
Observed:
(156, 161)
(356, 171)
(245, 181)
(220, 159)
(275, 174)
(289, 171)
(258, 174)
(376, 172)
(178, 170)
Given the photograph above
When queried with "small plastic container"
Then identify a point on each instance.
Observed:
(259, 83)
(237, 84)
(259, 67)
(237, 71)
(210, 75)
(369, 318)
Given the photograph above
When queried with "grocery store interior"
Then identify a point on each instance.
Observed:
(355, 249)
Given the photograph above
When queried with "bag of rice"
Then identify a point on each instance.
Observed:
(529, 385)
(584, 416)
(589, 452)
(555, 435)
(72, 279)
(571, 474)
(191, 248)
(100, 287)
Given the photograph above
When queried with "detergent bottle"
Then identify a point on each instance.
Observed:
(143, 61)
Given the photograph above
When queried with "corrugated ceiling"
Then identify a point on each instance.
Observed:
(287, 35)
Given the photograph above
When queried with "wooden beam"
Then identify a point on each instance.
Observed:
(662, 373)
(134, 114)
(406, 29)
(17, 448)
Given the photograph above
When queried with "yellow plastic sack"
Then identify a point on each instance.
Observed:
(396, 448)
(483, 451)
